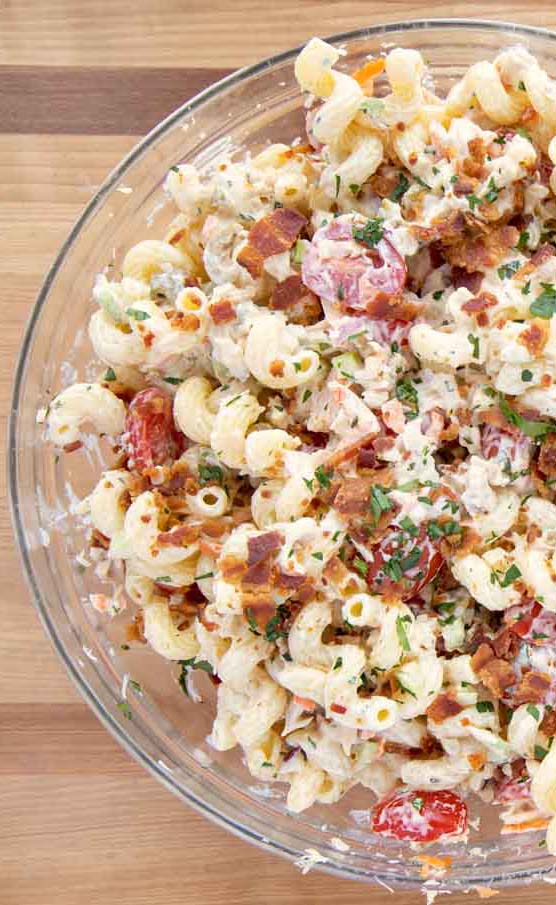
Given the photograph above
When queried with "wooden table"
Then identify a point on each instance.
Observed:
(80, 81)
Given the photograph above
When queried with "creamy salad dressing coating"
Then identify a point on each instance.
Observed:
(332, 383)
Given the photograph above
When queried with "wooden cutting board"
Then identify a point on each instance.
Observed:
(80, 81)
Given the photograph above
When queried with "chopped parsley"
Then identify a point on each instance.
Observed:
(523, 241)
(438, 294)
(526, 375)
(318, 555)
(474, 340)
(124, 707)
(545, 304)
(527, 288)
(323, 475)
(137, 315)
(379, 502)
(370, 234)
(306, 395)
(507, 270)
(401, 632)
(252, 622)
(337, 663)
(485, 706)
(409, 526)
(203, 576)
(338, 181)
(211, 474)
(511, 575)
(407, 393)
(175, 381)
(360, 565)
(417, 803)
(540, 752)
(354, 188)
(473, 201)
(493, 191)
(401, 188)
(533, 711)
(308, 483)
(537, 430)
(110, 375)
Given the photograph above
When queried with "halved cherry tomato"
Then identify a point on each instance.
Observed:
(503, 447)
(356, 275)
(403, 565)
(420, 815)
(152, 438)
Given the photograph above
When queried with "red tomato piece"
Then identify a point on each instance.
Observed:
(420, 815)
(404, 565)
(531, 622)
(356, 275)
(152, 438)
(503, 447)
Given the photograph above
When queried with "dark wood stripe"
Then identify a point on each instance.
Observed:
(90, 101)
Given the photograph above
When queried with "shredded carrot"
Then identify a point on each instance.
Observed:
(538, 823)
(485, 892)
(476, 761)
(306, 703)
(369, 71)
(432, 864)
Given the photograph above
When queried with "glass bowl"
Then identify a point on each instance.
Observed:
(156, 723)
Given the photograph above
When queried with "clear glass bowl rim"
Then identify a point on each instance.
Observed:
(115, 728)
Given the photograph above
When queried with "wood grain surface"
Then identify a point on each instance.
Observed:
(80, 81)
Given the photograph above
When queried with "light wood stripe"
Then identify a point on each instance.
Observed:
(84, 101)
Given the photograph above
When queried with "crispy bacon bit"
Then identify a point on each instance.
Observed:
(352, 497)
(443, 707)
(270, 236)
(179, 537)
(468, 280)
(547, 457)
(474, 253)
(541, 256)
(480, 303)
(496, 674)
(72, 447)
(448, 229)
(465, 185)
(135, 631)
(532, 688)
(349, 451)
(289, 581)
(222, 312)
(548, 724)
(263, 546)
(260, 551)
(99, 540)
(292, 296)
(338, 708)
(385, 180)
(258, 574)
(232, 568)
(260, 608)
(535, 337)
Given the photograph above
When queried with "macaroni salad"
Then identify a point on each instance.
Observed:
(332, 385)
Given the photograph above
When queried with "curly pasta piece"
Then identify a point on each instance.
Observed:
(193, 412)
(84, 404)
(274, 357)
(151, 256)
(230, 426)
